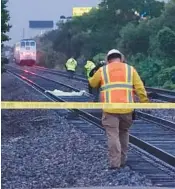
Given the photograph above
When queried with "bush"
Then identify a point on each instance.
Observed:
(52, 59)
(99, 57)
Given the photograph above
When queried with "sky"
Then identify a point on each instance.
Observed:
(21, 11)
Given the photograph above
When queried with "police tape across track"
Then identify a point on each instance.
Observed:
(83, 105)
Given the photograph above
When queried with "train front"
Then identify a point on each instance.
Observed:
(28, 52)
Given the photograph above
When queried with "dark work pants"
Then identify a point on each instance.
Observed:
(70, 73)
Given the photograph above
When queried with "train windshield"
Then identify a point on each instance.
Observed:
(27, 44)
(32, 44)
(22, 44)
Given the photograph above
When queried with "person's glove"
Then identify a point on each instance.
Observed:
(92, 72)
(99, 65)
(102, 63)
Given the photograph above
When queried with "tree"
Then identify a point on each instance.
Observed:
(5, 27)
(99, 57)
(166, 38)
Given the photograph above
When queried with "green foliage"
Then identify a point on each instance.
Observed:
(47, 57)
(99, 57)
(5, 27)
(166, 39)
(134, 39)
(165, 76)
(148, 43)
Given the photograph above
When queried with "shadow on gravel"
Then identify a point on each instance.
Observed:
(11, 126)
(19, 123)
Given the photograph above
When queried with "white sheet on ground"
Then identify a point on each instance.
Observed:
(62, 93)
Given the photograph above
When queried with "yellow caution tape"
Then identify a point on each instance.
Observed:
(83, 105)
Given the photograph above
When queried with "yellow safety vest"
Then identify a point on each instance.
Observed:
(88, 67)
(71, 64)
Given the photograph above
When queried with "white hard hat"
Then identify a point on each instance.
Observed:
(114, 51)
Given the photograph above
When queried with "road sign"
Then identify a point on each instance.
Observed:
(41, 24)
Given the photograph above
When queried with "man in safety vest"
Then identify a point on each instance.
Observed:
(71, 65)
(117, 80)
(88, 68)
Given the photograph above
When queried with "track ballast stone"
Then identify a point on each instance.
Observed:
(41, 150)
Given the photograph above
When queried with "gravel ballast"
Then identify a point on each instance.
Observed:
(41, 150)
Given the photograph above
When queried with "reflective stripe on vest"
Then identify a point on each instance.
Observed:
(109, 86)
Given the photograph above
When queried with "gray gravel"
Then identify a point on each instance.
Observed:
(40, 149)
(168, 114)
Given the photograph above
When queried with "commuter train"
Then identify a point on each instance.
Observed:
(25, 52)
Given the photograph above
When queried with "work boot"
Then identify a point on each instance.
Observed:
(123, 165)
(123, 161)
(114, 168)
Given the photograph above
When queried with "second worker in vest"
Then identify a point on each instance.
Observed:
(116, 80)
(88, 68)
(92, 72)
(71, 65)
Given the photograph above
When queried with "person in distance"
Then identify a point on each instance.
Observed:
(88, 67)
(71, 66)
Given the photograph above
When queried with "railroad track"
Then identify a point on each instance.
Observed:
(161, 94)
(154, 93)
(152, 142)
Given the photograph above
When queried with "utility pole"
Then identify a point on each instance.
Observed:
(23, 33)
